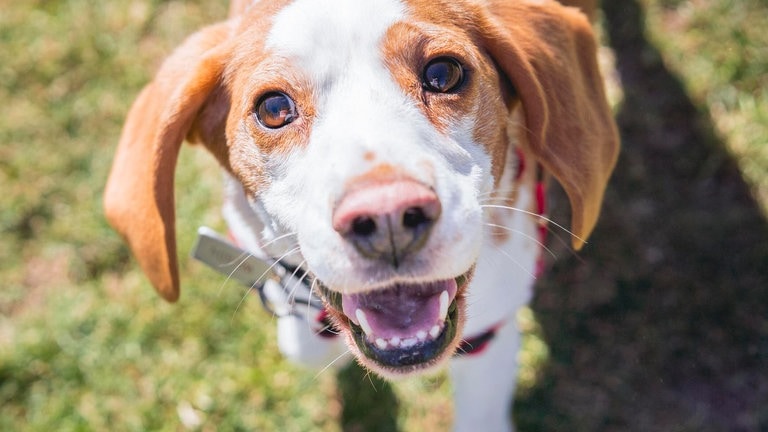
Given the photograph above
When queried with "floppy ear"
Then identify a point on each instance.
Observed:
(549, 53)
(588, 7)
(139, 198)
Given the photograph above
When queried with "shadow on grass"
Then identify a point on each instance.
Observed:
(369, 402)
(662, 322)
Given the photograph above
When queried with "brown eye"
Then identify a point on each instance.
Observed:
(443, 75)
(275, 110)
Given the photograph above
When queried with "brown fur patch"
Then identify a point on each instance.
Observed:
(380, 173)
(369, 156)
(409, 46)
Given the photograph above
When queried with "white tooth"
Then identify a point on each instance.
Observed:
(363, 320)
(435, 331)
(381, 343)
(407, 343)
(443, 306)
(421, 335)
(395, 341)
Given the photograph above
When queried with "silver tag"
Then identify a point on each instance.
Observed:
(222, 256)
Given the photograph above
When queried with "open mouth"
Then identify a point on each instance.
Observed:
(406, 326)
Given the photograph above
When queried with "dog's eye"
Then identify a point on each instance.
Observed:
(443, 75)
(275, 110)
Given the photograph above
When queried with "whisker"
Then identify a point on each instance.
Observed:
(565, 243)
(489, 194)
(245, 256)
(332, 362)
(276, 239)
(328, 328)
(295, 287)
(255, 283)
(290, 252)
(240, 303)
(516, 262)
(497, 195)
(309, 302)
(518, 232)
(560, 239)
(297, 284)
(524, 127)
(461, 345)
(234, 260)
(500, 191)
(370, 380)
(536, 215)
(497, 200)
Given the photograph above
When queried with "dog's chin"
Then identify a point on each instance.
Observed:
(403, 329)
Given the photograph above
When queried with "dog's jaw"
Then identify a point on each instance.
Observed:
(397, 348)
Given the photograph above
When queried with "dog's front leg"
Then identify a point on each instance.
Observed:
(484, 384)
(302, 344)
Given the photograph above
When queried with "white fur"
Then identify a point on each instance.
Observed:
(484, 384)
(363, 110)
(505, 271)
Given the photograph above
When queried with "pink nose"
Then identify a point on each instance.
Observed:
(388, 220)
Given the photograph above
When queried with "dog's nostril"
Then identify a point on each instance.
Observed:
(387, 220)
(414, 217)
(363, 226)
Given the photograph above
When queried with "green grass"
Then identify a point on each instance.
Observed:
(85, 344)
(720, 48)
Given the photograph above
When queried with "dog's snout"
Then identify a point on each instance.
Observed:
(387, 221)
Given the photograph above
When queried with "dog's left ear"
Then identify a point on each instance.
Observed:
(139, 198)
(549, 53)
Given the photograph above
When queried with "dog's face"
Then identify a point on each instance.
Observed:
(371, 135)
(371, 132)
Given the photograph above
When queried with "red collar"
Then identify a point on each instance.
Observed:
(477, 344)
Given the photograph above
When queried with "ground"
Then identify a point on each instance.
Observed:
(659, 324)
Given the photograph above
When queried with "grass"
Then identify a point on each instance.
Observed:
(723, 57)
(86, 345)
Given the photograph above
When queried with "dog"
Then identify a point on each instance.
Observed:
(394, 152)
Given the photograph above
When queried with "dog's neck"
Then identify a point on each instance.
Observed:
(253, 229)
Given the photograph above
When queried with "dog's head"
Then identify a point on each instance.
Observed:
(372, 130)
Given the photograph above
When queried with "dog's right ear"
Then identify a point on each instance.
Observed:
(139, 197)
(549, 53)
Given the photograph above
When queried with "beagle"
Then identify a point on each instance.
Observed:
(393, 152)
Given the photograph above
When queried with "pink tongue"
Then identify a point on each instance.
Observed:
(399, 311)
